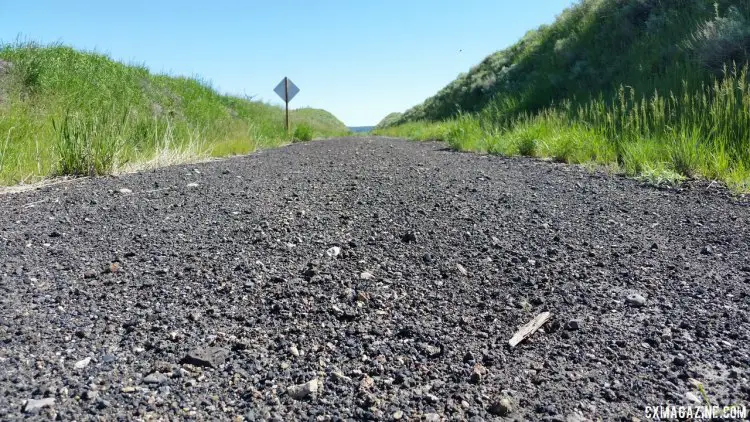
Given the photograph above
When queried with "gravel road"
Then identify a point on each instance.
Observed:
(371, 278)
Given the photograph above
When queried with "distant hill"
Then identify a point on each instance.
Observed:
(322, 121)
(389, 119)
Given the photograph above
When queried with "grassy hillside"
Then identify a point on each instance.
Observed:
(64, 111)
(389, 120)
(650, 87)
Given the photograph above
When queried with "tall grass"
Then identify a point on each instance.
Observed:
(591, 48)
(64, 111)
(699, 131)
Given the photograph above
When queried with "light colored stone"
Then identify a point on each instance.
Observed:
(635, 300)
(155, 378)
(301, 391)
(82, 363)
(32, 405)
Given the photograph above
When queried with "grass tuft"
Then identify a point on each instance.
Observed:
(88, 145)
(302, 133)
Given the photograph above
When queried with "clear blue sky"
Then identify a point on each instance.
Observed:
(359, 59)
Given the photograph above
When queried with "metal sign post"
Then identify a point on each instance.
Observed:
(286, 89)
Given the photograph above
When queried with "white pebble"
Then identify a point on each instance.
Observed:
(82, 363)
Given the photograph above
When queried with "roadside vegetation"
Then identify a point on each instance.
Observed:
(67, 112)
(655, 89)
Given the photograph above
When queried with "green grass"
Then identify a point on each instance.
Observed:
(389, 120)
(696, 132)
(67, 112)
(591, 49)
(303, 132)
(653, 89)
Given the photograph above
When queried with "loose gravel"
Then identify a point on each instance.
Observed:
(371, 279)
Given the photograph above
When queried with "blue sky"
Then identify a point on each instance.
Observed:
(359, 59)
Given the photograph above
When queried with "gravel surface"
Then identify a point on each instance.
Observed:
(370, 278)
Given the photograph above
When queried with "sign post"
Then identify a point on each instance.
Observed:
(286, 89)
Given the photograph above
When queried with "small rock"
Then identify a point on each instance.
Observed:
(431, 398)
(501, 407)
(91, 395)
(125, 191)
(477, 373)
(635, 300)
(707, 250)
(294, 351)
(82, 363)
(432, 417)
(432, 351)
(573, 325)
(365, 275)
(679, 360)
(366, 383)
(32, 405)
(333, 252)
(128, 389)
(192, 185)
(461, 269)
(111, 268)
(409, 237)
(576, 417)
(108, 358)
(89, 274)
(397, 415)
(207, 356)
(301, 391)
(156, 378)
(348, 294)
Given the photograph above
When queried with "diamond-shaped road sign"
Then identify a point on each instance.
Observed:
(283, 86)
